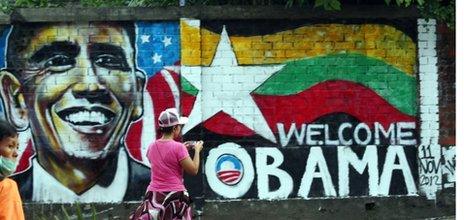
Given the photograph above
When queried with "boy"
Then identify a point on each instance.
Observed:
(10, 202)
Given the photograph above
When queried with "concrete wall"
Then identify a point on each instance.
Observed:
(290, 105)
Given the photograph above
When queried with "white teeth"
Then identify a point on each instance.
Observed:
(87, 117)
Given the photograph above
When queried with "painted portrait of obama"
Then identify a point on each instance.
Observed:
(77, 88)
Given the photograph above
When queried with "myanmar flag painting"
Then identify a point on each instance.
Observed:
(251, 85)
(301, 110)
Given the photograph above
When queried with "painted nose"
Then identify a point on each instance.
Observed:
(94, 92)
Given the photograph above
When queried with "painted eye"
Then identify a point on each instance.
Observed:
(110, 61)
(59, 63)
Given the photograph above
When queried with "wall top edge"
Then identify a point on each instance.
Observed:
(78, 14)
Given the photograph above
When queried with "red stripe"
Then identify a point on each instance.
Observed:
(225, 175)
(187, 102)
(326, 98)
(231, 179)
(162, 98)
(228, 171)
(25, 160)
(228, 176)
(133, 142)
(161, 94)
(222, 123)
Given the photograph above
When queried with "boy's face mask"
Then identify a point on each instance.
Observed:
(7, 166)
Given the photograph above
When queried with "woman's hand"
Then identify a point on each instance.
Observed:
(189, 165)
(189, 144)
(198, 146)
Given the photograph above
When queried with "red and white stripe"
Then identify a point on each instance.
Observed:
(229, 176)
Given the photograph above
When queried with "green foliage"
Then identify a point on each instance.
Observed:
(65, 212)
(442, 10)
(438, 9)
(39, 3)
(328, 5)
(151, 3)
(100, 3)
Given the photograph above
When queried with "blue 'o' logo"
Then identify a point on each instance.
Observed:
(229, 169)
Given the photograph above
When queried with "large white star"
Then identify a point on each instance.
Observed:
(226, 86)
(145, 38)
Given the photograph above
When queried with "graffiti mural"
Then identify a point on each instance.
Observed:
(299, 109)
(449, 166)
(74, 89)
(305, 110)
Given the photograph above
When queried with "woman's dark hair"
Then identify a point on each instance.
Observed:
(6, 130)
(166, 130)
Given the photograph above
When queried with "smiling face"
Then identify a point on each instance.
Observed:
(81, 89)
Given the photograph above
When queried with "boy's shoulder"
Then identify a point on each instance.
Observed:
(7, 185)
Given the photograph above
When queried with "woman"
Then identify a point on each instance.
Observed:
(11, 206)
(166, 196)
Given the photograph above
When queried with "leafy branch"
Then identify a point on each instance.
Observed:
(442, 10)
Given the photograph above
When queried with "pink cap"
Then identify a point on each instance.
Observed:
(170, 117)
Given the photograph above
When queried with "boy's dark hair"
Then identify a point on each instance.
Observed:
(7, 130)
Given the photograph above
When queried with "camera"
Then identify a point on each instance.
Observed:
(190, 144)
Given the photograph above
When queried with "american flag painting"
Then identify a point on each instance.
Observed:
(157, 46)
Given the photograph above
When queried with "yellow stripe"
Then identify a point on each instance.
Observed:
(190, 42)
(378, 41)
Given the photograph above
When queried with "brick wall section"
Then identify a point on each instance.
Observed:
(429, 120)
(446, 44)
(429, 151)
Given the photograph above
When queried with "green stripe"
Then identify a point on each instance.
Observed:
(398, 88)
(187, 87)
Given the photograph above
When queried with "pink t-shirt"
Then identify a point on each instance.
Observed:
(166, 171)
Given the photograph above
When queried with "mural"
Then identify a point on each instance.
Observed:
(74, 90)
(287, 110)
(305, 110)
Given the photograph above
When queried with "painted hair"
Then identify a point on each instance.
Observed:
(21, 34)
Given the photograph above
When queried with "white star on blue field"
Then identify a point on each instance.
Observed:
(157, 45)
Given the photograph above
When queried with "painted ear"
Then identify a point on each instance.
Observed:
(137, 112)
(13, 100)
